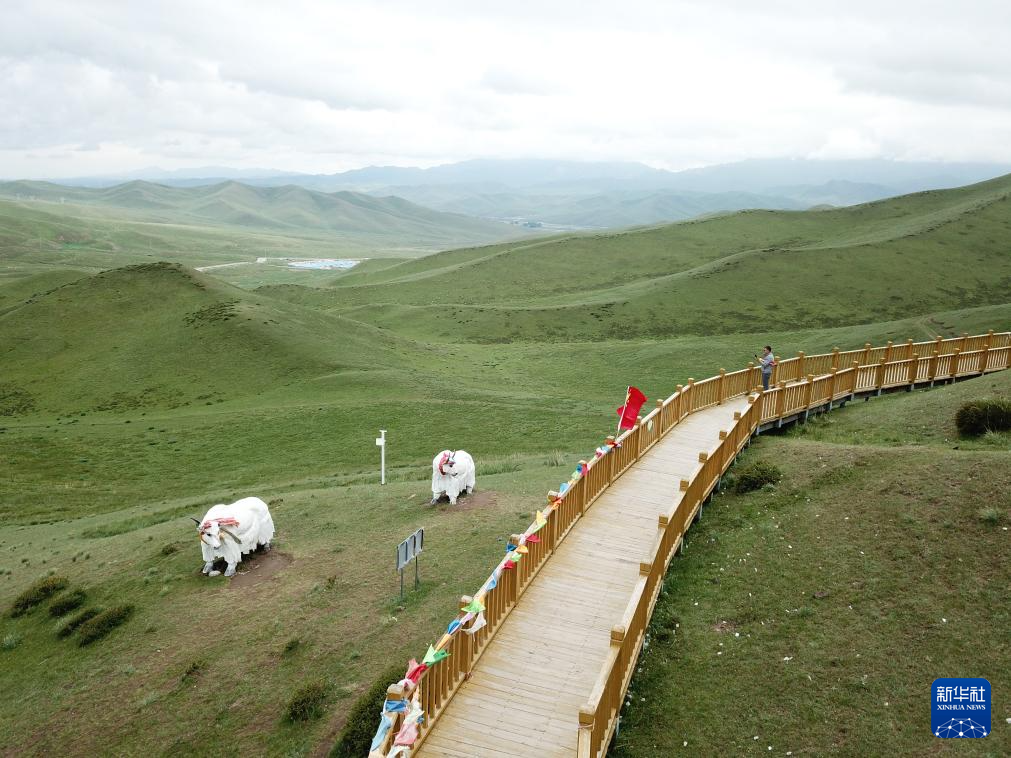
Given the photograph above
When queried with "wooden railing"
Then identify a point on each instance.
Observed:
(801, 383)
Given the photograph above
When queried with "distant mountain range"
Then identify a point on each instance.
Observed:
(287, 209)
(607, 194)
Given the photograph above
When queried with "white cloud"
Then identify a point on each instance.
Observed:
(322, 87)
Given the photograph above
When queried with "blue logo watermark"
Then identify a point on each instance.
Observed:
(960, 707)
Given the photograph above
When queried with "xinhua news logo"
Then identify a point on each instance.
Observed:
(960, 708)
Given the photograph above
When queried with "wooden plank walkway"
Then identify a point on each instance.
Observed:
(524, 693)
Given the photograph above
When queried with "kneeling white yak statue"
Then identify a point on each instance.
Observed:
(229, 531)
(452, 473)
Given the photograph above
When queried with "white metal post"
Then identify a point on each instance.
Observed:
(381, 442)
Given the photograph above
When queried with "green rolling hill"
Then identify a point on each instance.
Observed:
(289, 209)
(136, 392)
(757, 270)
(161, 335)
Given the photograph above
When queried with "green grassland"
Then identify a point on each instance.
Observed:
(813, 617)
(136, 393)
(751, 271)
(288, 209)
(230, 227)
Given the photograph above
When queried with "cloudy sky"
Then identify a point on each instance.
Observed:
(90, 87)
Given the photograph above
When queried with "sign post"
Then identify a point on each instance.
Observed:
(408, 551)
(381, 443)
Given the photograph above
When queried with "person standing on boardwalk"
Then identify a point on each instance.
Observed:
(767, 362)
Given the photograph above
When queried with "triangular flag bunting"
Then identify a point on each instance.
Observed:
(479, 623)
(533, 538)
(474, 606)
(434, 656)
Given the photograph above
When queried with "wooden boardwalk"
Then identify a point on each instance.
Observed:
(547, 672)
(524, 693)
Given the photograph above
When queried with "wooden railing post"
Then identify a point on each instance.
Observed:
(954, 363)
(984, 356)
(965, 339)
(833, 377)
(879, 380)
(720, 390)
(854, 374)
(914, 370)
(989, 338)
(909, 348)
(932, 369)
(781, 400)
(611, 458)
(808, 391)
(800, 364)
(751, 380)
(690, 394)
(867, 354)
(584, 747)
(758, 400)
(938, 343)
(679, 403)
(888, 351)
(835, 357)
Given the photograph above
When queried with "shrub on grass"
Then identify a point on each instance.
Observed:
(38, 593)
(194, 670)
(753, 476)
(69, 602)
(71, 626)
(11, 641)
(97, 627)
(979, 416)
(363, 719)
(307, 702)
(990, 516)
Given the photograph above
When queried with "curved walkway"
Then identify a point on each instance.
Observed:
(524, 693)
(547, 673)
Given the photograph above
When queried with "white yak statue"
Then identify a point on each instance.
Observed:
(452, 473)
(229, 531)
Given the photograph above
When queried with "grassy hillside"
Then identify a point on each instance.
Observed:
(135, 397)
(162, 336)
(758, 270)
(287, 209)
(878, 564)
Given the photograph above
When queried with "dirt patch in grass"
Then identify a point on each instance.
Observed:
(724, 626)
(258, 568)
(480, 499)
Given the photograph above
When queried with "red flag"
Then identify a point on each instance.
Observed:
(630, 410)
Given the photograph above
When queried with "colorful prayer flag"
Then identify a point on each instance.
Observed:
(415, 670)
(474, 606)
(434, 656)
(479, 623)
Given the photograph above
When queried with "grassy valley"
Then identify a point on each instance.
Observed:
(751, 271)
(137, 391)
